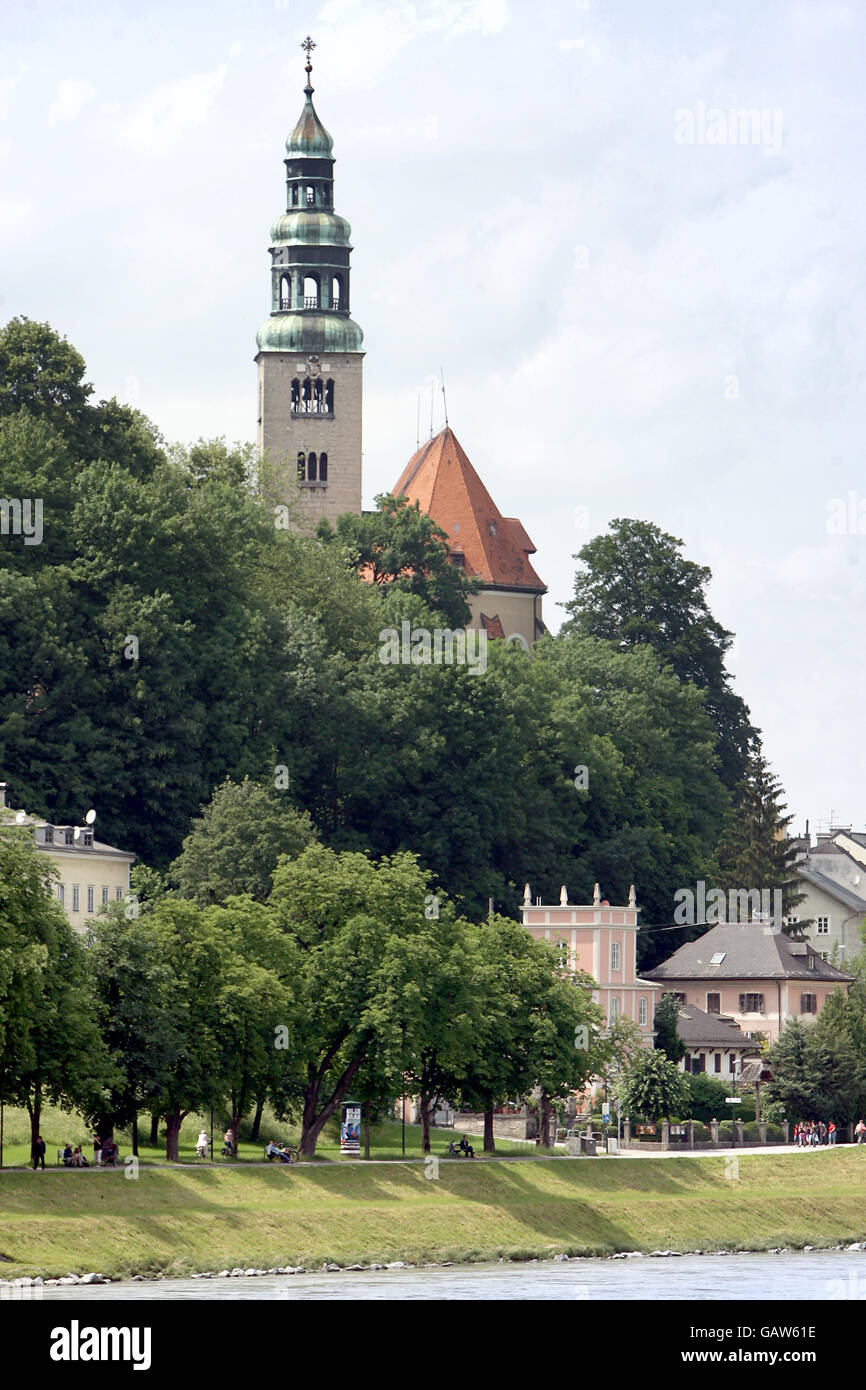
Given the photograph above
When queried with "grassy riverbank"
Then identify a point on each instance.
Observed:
(179, 1220)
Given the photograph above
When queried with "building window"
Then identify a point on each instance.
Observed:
(90, 897)
(88, 839)
(61, 894)
(311, 468)
(614, 955)
(49, 834)
(302, 466)
(714, 1003)
(311, 196)
(323, 468)
(822, 926)
(680, 998)
(642, 1011)
(751, 1003)
(329, 397)
(69, 836)
(614, 1008)
(104, 896)
(717, 1061)
(311, 292)
(336, 292)
(285, 292)
(118, 893)
(563, 955)
(296, 395)
(76, 894)
(699, 1064)
(687, 1062)
(808, 1003)
(294, 195)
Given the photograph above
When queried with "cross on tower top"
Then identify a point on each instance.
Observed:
(308, 45)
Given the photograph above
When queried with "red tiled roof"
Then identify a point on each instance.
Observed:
(440, 478)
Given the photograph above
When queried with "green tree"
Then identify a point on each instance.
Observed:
(235, 844)
(667, 1038)
(637, 589)
(51, 1047)
(399, 547)
(707, 1098)
(796, 1083)
(350, 920)
(754, 851)
(653, 1088)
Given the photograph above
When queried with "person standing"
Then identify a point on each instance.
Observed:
(831, 1132)
(97, 1150)
(39, 1153)
(860, 1131)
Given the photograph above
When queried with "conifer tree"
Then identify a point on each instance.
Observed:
(754, 851)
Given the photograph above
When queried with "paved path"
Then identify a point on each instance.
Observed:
(494, 1158)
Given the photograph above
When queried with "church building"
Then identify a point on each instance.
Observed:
(310, 363)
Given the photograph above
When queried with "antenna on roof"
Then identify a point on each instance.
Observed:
(444, 397)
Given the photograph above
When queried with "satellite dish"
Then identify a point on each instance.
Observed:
(90, 817)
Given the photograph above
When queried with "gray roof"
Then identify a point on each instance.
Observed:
(831, 886)
(699, 1029)
(752, 951)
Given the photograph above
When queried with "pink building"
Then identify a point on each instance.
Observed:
(602, 941)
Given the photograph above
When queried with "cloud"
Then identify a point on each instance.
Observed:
(164, 117)
(7, 87)
(72, 97)
(11, 214)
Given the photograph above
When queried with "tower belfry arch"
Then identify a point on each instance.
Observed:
(310, 354)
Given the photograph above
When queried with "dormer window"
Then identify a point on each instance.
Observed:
(48, 834)
(88, 839)
(69, 836)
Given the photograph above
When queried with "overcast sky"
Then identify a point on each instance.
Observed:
(643, 306)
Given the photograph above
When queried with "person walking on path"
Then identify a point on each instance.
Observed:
(860, 1131)
(39, 1153)
(831, 1132)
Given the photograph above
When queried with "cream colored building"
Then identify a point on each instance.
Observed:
(90, 874)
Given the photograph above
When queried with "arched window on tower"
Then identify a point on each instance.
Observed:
(285, 291)
(311, 196)
(311, 468)
(311, 292)
(336, 292)
(294, 195)
(329, 397)
(323, 468)
(296, 395)
(326, 195)
(302, 466)
(318, 395)
(306, 396)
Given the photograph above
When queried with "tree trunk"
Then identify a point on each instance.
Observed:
(489, 1141)
(313, 1120)
(135, 1135)
(232, 1126)
(544, 1108)
(154, 1131)
(257, 1120)
(425, 1103)
(35, 1109)
(173, 1121)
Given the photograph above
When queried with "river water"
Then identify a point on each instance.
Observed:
(817, 1275)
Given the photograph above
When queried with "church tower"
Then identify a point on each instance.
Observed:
(310, 357)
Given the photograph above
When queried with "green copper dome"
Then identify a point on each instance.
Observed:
(309, 139)
(310, 227)
(309, 332)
